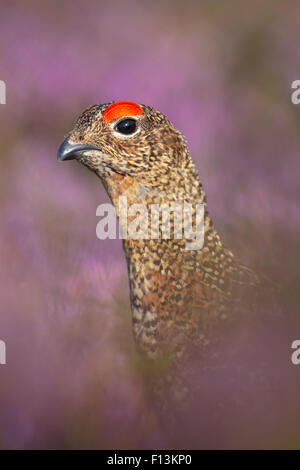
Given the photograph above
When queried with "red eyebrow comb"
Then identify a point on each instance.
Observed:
(121, 108)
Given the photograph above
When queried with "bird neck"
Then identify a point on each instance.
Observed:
(160, 269)
(138, 200)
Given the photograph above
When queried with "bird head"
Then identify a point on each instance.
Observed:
(125, 138)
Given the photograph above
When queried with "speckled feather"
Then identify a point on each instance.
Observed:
(177, 296)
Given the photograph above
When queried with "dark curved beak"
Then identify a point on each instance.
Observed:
(69, 151)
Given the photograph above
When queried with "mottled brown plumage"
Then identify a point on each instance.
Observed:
(178, 296)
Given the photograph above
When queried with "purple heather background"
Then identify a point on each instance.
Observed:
(222, 74)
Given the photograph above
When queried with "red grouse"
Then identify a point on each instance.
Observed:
(178, 295)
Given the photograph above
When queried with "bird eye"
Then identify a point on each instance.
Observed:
(126, 126)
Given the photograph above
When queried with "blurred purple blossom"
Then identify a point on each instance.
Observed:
(222, 75)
